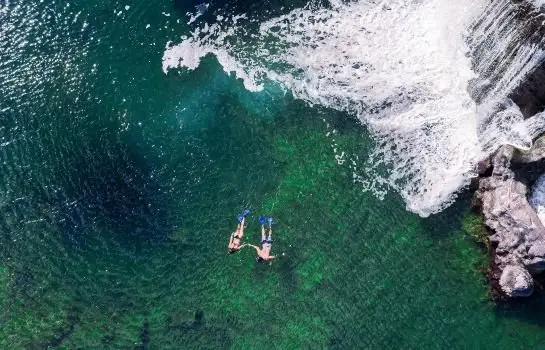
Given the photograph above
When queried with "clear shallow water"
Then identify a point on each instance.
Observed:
(119, 187)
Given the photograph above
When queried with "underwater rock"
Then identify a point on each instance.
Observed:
(518, 237)
(516, 281)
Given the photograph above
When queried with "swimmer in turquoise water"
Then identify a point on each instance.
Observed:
(236, 237)
(264, 253)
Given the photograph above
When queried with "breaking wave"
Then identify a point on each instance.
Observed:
(403, 67)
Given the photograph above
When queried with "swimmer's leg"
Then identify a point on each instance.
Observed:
(241, 227)
(270, 229)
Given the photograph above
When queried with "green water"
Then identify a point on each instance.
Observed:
(119, 187)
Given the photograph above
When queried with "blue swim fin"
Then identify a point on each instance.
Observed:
(245, 213)
(270, 221)
(262, 220)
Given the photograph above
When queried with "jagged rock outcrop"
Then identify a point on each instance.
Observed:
(508, 49)
(518, 237)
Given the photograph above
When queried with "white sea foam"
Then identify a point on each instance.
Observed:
(400, 66)
(539, 3)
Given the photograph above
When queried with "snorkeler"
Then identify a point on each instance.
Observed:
(263, 254)
(236, 237)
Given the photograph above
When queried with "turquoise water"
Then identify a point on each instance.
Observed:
(120, 185)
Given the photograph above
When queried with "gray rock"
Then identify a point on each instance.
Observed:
(483, 166)
(516, 281)
(519, 234)
(535, 261)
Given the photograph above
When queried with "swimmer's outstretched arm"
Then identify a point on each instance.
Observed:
(251, 245)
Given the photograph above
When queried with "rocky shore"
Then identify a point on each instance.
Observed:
(517, 234)
(510, 191)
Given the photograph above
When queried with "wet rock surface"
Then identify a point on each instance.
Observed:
(529, 94)
(519, 45)
(535, 154)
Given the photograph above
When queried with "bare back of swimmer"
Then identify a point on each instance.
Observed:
(236, 238)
